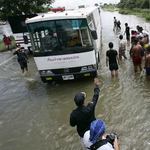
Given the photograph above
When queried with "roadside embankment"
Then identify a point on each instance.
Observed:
(145, 13)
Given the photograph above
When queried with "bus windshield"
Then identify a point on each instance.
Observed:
(61, 36)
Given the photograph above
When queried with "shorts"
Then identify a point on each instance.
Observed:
(137, 60)
(148, 71)
(23, 64)
(113, 66)
(9, 47)
(128, 37)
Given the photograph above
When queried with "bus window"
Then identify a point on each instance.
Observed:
(62, 36)
(73, 35)
(86, 37)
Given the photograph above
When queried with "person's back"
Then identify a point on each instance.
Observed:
(112, 56)
(136, 54)
(82, 116)
(122, 44)
(137, 50)
(87, 143)
(95, 139)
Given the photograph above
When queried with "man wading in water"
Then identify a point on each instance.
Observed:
(22, 58)
(136, 55)
(112, 57)
(83, 115)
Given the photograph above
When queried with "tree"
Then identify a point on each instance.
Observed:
(96, 4)
(15, 7)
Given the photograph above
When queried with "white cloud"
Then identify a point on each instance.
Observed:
(65, 3)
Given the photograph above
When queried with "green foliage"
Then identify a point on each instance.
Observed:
(147, 17)
(14, 7)
(131, 4)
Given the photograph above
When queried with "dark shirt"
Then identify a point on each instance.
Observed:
(83, 116)
(22, 56)
(127, 31)
(111, 54)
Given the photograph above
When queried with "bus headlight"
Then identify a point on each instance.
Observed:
(90, 67)
(49, 72)
(83, 68)
(43, 72)
(86, 68)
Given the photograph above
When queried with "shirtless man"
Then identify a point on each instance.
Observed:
(147, 62)
(136, 55)
(141, 42)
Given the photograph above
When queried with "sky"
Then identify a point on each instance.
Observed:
(67, 3)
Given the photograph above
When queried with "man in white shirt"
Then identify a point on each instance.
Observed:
(122, 48)
(94, 139)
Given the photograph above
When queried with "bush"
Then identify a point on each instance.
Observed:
(147, 17)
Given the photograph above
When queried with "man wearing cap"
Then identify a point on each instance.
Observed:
(22, 58)
(95, 135)
(83, 115)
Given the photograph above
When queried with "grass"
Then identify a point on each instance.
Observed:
(3, 47)
(139, 12)
(109, 8)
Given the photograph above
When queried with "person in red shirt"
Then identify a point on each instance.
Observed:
(7, 42)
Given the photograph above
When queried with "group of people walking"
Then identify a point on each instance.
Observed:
(139, 50)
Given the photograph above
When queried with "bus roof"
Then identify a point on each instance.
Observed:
(74, 14)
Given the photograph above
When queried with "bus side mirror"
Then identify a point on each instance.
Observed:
(94, 34)
(25, 39)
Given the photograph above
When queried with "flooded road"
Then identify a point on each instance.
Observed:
(35, 115)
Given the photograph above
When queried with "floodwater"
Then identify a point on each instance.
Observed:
(35, 115)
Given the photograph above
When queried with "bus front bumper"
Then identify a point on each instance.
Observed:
(60, 77)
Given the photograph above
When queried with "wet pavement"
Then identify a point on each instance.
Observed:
(35, 115)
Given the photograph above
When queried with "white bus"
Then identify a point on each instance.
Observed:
(66, 45)
(19, 29)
